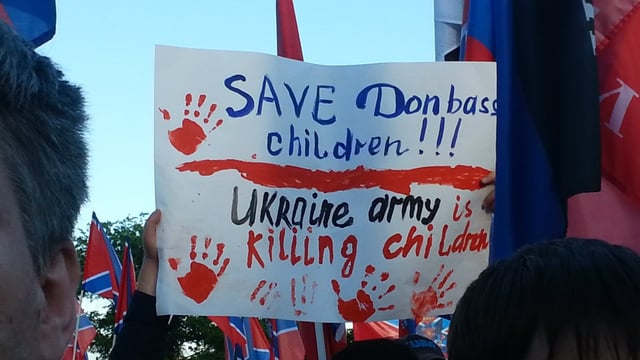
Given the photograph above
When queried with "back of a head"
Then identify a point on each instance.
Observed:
(422, 347)
(42, 146)
(587, 291)
(378, 349)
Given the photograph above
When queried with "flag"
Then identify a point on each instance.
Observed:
(102, 268)
(335, 338)
(613, 213)
(285, 336)
(375, 330)
(448, 25)
(258, 345)
(548, 140)
(406, 327)
(85, 334)
(234, 331)
(127, 287)
(33, 20)
(289, 46)
(287, 28)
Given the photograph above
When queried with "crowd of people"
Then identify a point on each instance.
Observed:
(559, 299)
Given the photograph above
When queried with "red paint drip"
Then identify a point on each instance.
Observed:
(451, 287)
(188, 98)
(384, 276)
(461, 177)
(218, 123)
(293, 292)
(369, 270)
(207, 242)
(187, 138)
(254, 156)
(165, 114)
(435, 279)
(193, 254)
(212, 108)
(174, 263)
(219, 250)
(254, 293)
(445, 279)
(201, 99)
(363, 284)
(387, 308)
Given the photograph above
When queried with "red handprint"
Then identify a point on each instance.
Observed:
(201, 280)
(190, 135)
(262, 292)
(304, 299)
(422, 303)
(362, 307)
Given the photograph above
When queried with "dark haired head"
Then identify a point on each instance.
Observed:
(381, 349)
(42, 146)
(585, 292)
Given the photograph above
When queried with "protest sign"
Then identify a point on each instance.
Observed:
(320, 193)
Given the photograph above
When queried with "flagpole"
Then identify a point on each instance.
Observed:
(320, 345)
(75, 336)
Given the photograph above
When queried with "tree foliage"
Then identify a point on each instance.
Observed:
(189, 337)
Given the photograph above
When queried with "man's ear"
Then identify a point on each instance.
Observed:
(59, 282)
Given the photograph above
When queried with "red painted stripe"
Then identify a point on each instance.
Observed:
(461, 177)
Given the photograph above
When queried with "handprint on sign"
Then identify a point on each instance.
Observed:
(362, 307)
(303, 294)
(190, 135)
(423, 302)
(200, 281)
(262, 292)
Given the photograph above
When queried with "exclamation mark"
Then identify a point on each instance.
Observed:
(423, 132)
(455, 137)
(440, 135)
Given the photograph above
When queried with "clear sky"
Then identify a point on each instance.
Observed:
(108, 49)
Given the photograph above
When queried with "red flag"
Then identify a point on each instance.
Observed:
(85, 334)
(127, 286)
(102, 268)
(288, 37)
(613, 213)
(335, 338)
(285, 336)
(289, 47)
(232, 327)
(375, 330)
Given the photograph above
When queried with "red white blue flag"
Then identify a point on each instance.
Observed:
(286, 343)
(34, 20)
(82, 338)
(102, 268)
(127, 287)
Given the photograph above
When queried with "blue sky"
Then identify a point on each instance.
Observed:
(108, 49)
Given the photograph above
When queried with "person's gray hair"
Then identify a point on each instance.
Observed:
(42, 145)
